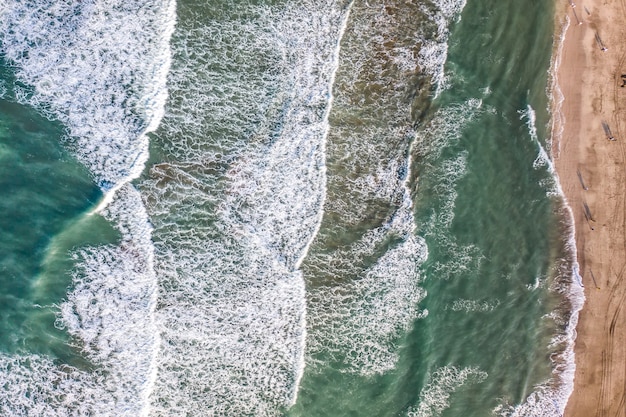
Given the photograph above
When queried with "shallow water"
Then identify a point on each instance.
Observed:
(347, 210)
(44, 190)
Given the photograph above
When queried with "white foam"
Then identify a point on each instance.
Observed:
(364, 295)
(446, 126)
(110, 309)
(550, 398)
(542, 402)
(434, 50)
(473, 305)
(448, 173)
(335, 66)
(35, 386)
(235, 215)
(434, 397)
(462, 258)
(431, 34)
(531, 118)
(100, 68)
(360, 321)
(442, 131)
(110, 314)
(543, 160)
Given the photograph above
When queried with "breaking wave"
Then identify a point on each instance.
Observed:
(100, 68)
(434, 397)
(236, 200)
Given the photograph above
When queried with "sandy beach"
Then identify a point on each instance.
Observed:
(590, 159)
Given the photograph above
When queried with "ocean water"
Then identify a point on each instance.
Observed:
(281, 208)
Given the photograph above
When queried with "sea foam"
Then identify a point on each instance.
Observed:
(434, 397)
(110, 314)
(359, 322)
(364, 291)
(236, 202)
(100, 68)
(443, 131)
(434, 49)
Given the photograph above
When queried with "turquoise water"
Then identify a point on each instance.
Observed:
(44, 191)
(341, 208)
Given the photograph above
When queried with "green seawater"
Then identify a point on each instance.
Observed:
(46, 197)
(491, 224)
(483, 201)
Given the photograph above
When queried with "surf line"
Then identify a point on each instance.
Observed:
(336, 55)
(109, 191)
(341, 33)
(154, 100)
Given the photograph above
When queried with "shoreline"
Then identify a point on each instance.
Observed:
(588, 151)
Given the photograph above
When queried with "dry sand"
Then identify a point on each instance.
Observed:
(593, 110)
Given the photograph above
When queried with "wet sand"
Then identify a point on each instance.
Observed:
(590, 158)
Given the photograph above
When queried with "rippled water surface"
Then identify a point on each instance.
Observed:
(280, 208)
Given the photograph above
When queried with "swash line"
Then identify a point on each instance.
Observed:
(305, 251)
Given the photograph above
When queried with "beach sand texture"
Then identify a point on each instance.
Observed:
(590, 158)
